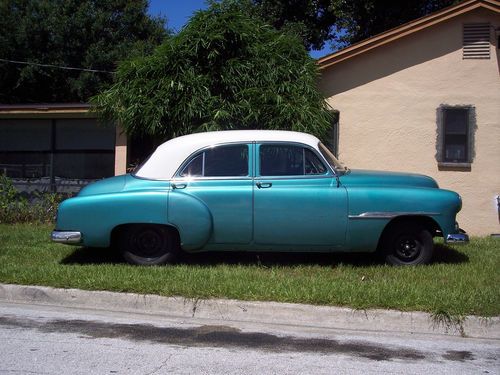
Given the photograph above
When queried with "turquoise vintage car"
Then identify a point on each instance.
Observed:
(258, 191)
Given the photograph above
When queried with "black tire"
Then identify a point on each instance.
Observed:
(148, 245)
(408, 244)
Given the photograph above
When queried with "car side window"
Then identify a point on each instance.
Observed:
(289, 160)
(220, 161)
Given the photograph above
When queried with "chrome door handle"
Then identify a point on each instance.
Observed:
(264, 185)
(178, 186)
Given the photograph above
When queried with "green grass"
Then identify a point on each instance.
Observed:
(463, 280)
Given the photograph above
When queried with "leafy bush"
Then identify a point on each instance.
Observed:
(15, 208)
(224, 70)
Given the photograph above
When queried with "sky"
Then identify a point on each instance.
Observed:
(178, 12)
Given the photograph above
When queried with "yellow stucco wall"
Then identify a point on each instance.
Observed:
(120, 151)
(388, 97)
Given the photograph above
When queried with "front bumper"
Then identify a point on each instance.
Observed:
(67, 237)
(461, 237)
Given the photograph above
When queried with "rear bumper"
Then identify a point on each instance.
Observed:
(67, 237)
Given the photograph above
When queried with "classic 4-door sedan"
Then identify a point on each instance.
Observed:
(258, 191)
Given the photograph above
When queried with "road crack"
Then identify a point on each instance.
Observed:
(163, 364)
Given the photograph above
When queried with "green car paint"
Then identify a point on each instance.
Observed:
(329, 210)
(300, 213)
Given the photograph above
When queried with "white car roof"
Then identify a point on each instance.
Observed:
(167, 158)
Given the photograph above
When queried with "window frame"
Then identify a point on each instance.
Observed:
(442, 136)
(195, 154)
(328, 174)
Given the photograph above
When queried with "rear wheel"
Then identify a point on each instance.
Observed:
(408, 244)
(148, 245)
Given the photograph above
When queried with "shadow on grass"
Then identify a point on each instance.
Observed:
(448, 255)
(92, 255)
(86, 256)
(270, 259)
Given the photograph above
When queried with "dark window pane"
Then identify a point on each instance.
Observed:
(25, 135)
(83, 134)
(455, 153)
(226, 161)
(456, 121)
(455, 135)
(281, 160)
(194, 167)
(25, 164)
(84, 165)
(313, 164)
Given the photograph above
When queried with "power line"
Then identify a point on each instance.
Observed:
(56, 66)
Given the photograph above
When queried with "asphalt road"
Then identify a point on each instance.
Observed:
(37, 339)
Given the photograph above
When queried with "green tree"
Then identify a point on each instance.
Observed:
(313, 21)
(91, 34)
(341, 22)
(224, 70)
(361, 19)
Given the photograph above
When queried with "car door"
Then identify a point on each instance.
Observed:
(220, 178)
(297, 201)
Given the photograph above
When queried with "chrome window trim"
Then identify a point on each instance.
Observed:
(295, 177)
(390, 215)
(328, 174)
(214, 178)
(178, 177)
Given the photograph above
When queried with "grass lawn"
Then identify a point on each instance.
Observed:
(463, 280)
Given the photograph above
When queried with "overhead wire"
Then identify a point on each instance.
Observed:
(55, 66)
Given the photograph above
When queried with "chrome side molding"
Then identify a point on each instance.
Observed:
(68, 237)
(390, 214)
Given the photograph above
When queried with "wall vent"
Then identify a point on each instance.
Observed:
(476, 41)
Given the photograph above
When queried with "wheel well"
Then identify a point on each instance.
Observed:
(427, 222)
(119, 228)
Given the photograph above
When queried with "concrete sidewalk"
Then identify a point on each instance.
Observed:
(273, 313)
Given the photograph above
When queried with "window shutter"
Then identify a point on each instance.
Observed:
(476, 41)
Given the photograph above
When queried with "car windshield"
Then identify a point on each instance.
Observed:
(331, 159)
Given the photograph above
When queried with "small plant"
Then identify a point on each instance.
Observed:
(448, 321)
(15, 208)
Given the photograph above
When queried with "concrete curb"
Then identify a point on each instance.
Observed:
(225, 310)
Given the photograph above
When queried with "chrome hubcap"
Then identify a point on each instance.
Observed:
(407, 248)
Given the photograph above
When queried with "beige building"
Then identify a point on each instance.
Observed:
(425, 98)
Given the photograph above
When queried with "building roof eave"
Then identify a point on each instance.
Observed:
(44, 107)
(406, 29)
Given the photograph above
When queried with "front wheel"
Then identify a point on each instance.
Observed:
(408, 244)
(148, 245)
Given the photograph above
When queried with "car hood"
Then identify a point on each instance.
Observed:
(357, 177)
(106, 186)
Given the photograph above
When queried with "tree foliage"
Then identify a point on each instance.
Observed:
(224, 70)
(361, 19)
(342, 22)
(90, 34)
(313, 21)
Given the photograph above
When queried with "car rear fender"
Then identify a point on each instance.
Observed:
(95, 216)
